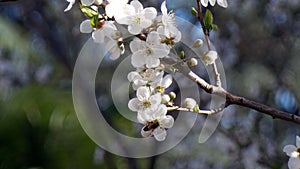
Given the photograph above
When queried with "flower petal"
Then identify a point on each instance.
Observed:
(167, 81)
(98, 36)
(289, 149)
(294, 163)
(152, 62)
(86, 27)
(87, 2)
(223, 3)
(204, 3)
(143, 93)
(138, 59)
(155, 100)
(133, 104)
(71, 3)
(160, 53)
(150, 13)
(160, 134)
(163, 8)
(146, 133)
(142, 118)
(140, 82)
(137, 45)
(134, 29)
(167, 122)
(160, 112)
(132, 76)
(145, 23)
(137, 6)
(153, 39)
(212, 2)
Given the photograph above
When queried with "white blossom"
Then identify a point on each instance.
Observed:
(148, 53)
(164, 83)
(156, 123)
(209, 57)
(139, 18)
(90, 2)
(71, 3)
(222, 3)
(168, 28)
(98, 35)
(144, 102)
(294, 153)
(145, 77)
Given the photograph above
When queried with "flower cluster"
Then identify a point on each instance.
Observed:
(155, 35)
(159, 34)
(294, 153)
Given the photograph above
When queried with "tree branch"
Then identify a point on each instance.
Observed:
(231, 99)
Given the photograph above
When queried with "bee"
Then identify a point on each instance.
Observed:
(151, 125)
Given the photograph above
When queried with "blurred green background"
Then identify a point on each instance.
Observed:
(258, 42)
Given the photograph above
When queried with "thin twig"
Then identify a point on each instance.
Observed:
(206, 34)
(207, 112)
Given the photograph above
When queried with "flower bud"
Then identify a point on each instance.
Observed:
(165, 98)
(172, 95)
(194, 12)
(192, 62)
(189, 103)
(198, 43)
(182, 54)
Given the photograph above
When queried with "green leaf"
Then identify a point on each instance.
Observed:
(196, 108)
(194, 12)
(88, 11)
(214, 27)
(208, 20)
(94, 21)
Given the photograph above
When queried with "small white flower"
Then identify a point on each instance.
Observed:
(222, 3)
(71, 3)
(209, 57)
(98, 35)
(148, 53)
(145, 76)
(164, 83)
(156, 123)
(189, 103)
(139, 18)
(169, 29)
(90, 2)
(144, 102)
(294, 153)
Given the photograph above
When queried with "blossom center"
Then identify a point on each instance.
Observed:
(146, 103)
(148, 51)
(138, 20)
(148, 73)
